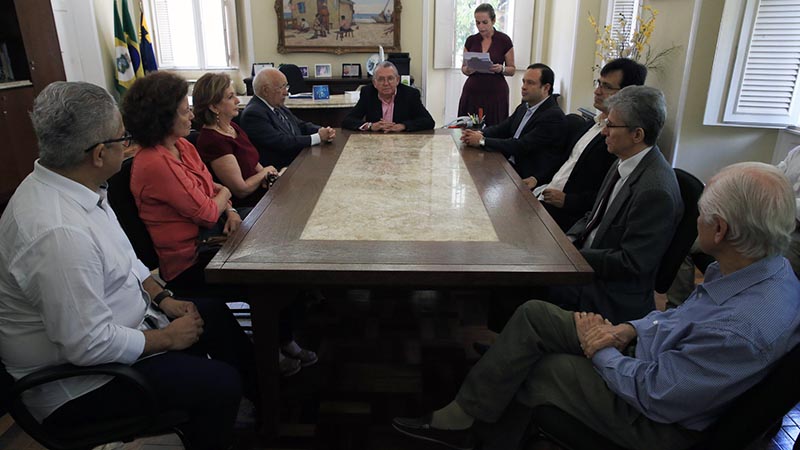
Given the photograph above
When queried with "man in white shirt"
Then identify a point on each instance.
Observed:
(574, 187)
(73, 291)
(277, 134)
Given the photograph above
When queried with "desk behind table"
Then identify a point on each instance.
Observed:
(329, 113)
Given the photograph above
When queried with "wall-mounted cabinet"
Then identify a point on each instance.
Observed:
(29, 46)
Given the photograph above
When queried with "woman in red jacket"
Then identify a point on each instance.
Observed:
(176, 196)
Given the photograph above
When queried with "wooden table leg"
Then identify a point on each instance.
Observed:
(264, 315)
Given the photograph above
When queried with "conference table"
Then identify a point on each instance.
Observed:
(373, 210)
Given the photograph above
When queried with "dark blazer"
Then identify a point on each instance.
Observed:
(584, 182)
(630, 241)
(277, 146)
(408, 109)
(539, 151)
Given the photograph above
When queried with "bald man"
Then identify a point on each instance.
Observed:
(272, 128)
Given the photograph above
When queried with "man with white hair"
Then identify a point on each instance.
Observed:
(659, 381)
(277, 134)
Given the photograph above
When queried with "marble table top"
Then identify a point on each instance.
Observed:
(398, 187)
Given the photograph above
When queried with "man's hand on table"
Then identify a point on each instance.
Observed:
(326, 134)
(471, 138)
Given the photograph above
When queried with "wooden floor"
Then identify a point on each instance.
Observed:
(382, 354)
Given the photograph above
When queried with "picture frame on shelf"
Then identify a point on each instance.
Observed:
(351, 70)
(322, 71)
(337, 27)
(303, 70)
(258, 67)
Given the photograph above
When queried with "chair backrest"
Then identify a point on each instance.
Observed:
(691, 188)
(6, 381)
(121, 200)
(575, 124)
(294, 77)
(756, 411)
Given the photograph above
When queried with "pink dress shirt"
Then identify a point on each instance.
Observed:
(388, 108)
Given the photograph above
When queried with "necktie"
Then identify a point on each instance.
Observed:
(601, 208)
(287, 124)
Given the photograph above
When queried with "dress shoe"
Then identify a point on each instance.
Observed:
(420, 428)
(480, 348)
(289, 366)
(306, 357)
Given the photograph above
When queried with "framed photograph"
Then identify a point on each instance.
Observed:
(322, 70)
(303, 70)
(321, 92)
(258, 67)
(351, 70)
(338, 27)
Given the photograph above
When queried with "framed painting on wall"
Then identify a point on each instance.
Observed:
(338, 26)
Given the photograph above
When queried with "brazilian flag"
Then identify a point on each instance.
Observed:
(125, 73)
(131, 38)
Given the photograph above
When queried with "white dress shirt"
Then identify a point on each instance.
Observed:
(560, 178)
(791, 168)
(315, 138)
(70, 287)
(625, 169)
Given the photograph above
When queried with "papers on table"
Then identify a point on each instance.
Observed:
(479, 62)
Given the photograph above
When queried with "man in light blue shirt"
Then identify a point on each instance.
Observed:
(656, 382)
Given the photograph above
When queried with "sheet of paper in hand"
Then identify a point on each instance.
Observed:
(479, 62)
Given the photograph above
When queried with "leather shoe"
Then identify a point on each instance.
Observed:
(289, 366)
(480, 348)
(306, 357)
(420, 428)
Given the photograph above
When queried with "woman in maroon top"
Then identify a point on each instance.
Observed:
(222, 145)
(488, 91)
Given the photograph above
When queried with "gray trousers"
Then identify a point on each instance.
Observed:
(537, 360)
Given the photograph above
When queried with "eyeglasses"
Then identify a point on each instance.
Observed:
(604, 86)
(125, 139)
(389, 79)
(607, 124)
(284, 86)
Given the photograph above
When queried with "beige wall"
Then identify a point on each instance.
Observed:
(265, 39)
(702, 149)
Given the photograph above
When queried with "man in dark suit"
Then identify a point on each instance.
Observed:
(533, 137)
(574, 187)
(388, 106)
(634, 216)
(276, 133)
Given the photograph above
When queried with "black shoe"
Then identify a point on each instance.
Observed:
(481, 348)
(420, 428)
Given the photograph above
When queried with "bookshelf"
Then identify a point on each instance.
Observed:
(29, 47)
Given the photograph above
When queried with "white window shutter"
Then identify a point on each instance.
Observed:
(444, 35)
(619, 9)
(162, 27)
(765, 82)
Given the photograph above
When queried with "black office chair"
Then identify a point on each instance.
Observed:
(145, 419)
(295, 78)
(575, 123)
(747, 420)
(685, 233)
(124, 205)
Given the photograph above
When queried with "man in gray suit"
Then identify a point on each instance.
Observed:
(634, 216)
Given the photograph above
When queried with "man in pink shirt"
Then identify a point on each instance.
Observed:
(388, 106)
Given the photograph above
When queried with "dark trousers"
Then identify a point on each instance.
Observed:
(208, 389)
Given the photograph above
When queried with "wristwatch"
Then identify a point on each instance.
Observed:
(233, 210)
(162, 295)
(482, 143)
